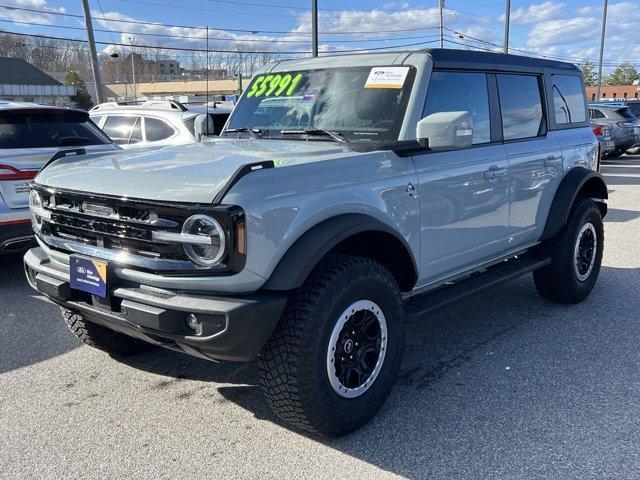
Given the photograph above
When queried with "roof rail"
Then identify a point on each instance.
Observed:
(150, 104)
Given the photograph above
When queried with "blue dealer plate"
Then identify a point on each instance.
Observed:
(88, 275)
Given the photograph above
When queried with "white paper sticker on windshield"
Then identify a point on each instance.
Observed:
(386, 77)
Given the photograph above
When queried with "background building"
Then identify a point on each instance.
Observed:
(181, 90)
(619, 92)
(22, 82)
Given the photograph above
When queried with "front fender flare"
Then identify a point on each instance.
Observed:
(305, 253)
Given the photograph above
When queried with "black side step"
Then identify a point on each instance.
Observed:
(430, 301)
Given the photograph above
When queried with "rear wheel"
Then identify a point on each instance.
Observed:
(576, 254)
(103, 338)
(336, 352)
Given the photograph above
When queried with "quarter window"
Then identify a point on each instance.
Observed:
(521, 106)
(119, 128)
(456, 92)
(157, 129)
(593, 113)
(568, 99)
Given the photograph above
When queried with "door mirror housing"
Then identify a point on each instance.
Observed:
(446, 130)
(203, 126)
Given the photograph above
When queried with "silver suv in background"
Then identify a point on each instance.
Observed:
(345, 194)
(30, 135)
(155, 123)
(626, 126)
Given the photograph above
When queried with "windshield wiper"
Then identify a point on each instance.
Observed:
(314, 131)
(254, 132)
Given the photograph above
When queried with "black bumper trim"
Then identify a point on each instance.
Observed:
(233, 328)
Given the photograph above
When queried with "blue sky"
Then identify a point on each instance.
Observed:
(566, 29)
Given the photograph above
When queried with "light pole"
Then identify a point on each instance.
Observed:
(93, 56)
(133, 71)
(441, 23)
(604, 28)
(314, 27)
(507, 15)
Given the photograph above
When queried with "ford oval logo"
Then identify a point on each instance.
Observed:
(379, 72)
(81, 270)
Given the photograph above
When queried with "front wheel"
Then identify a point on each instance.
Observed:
(576, 255)
(336, 352)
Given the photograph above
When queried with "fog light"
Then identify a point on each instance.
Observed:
(192, 321)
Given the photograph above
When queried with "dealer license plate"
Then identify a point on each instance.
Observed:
(88, 275)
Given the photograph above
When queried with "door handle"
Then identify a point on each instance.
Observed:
(553, 160)
(495, 173)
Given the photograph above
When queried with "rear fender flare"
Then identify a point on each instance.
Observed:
(579, 181)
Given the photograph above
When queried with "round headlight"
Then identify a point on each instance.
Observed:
(35, 205)
(211, 250)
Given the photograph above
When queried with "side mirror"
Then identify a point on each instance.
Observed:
(446, 130)
(203, 126)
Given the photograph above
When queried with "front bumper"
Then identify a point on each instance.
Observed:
(229, 328)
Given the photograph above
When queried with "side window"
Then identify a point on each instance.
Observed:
(593, 113)
(459, 91)
(119, 128)
(568, 99)
(97, 119)
(136, 134)
(521, 106)
(157, 129)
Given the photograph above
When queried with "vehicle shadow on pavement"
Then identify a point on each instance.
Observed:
(31, 329)
(506, 381)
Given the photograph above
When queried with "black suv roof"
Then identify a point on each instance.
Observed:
(454, 58)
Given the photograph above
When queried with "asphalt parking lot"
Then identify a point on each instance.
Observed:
(504, 385)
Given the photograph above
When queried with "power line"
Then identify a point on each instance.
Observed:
(298, 52)
(254, 31)
(229, 39)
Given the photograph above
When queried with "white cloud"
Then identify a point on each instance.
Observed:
(23, 16)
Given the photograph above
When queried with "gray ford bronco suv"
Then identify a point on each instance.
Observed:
(346, 194)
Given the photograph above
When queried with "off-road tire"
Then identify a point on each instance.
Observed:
(293, 365)
(103, 338)
(559, 282)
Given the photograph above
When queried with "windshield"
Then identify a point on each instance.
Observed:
(44, 129)
(359, 103)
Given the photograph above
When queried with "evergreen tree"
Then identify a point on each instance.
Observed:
(82, 98)
(589, 72)
(623, 74)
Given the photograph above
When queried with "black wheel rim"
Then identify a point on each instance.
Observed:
(356, 349)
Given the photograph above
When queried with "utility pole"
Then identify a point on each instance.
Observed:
(93, 56)
(507, 15)
(441, 23)
(133, 72)
(314, 27)
(604, 28)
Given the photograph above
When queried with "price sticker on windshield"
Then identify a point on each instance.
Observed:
(386, 77)
(274, 85)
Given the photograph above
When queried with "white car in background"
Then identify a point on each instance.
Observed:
(155, 123)
(30, 135)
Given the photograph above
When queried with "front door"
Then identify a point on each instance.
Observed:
(464, 194)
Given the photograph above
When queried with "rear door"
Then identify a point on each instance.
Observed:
(535, 157)
(464, 204)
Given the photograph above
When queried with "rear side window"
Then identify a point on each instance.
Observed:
(119, 128)
(625, 113)
(521, 106)
(157, 129)
(568, 99)
(458, 91)
(37, 129)
(593, 113)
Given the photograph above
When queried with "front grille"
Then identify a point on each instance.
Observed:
(114, 224)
